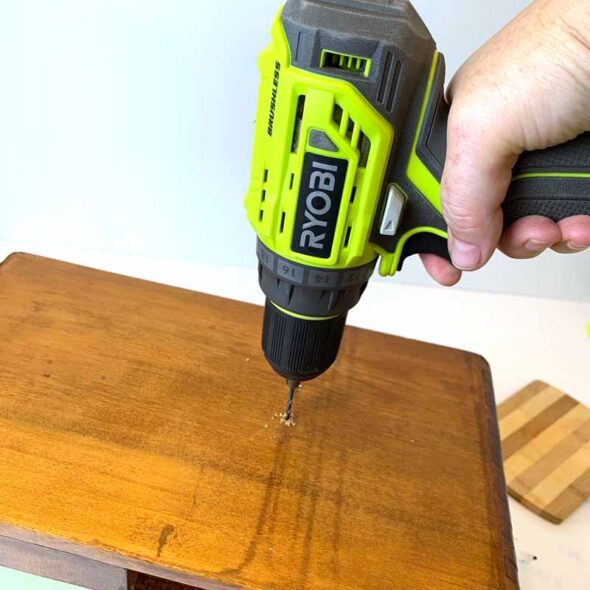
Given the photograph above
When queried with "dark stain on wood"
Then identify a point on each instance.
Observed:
(164, 535)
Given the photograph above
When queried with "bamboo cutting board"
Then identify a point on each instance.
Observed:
(138, 434)
(546, 446)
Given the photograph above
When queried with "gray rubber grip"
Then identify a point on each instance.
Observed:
(554, 183)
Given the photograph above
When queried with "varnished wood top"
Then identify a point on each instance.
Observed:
(137, 428)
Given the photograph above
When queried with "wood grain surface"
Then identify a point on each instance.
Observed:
(546, 444)
(138, 428)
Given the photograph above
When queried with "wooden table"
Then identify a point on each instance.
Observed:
(138, 434)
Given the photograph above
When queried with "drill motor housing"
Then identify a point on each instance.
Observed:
(331, 117)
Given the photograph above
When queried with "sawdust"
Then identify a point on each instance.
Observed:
(288, 422)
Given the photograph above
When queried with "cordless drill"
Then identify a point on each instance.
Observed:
(350, 144)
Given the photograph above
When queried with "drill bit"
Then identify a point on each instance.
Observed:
(293, 385)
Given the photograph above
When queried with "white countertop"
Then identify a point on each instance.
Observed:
(523, 339)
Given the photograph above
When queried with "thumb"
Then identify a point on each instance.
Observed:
(476, 177)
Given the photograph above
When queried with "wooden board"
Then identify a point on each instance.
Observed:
(546, 446)
(61, 566)
(137, 428)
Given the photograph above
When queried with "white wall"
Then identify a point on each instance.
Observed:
(125, 126)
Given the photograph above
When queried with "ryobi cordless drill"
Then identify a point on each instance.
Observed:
(349, 149)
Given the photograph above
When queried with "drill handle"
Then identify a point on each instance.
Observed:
(553, 183)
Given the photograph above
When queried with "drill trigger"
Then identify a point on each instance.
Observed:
(424, 243)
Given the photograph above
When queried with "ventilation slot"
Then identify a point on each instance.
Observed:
(353, 133)
(337, 114)
(347, 63)
(352, 194)
(390, 79)
(298, 120)
(349, 129)
(364, 146)
(263, 194)
(281, 229)
(291, 181)
(347, 237)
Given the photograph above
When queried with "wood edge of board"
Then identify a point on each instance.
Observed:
(498, 501)
(10, 258)
(110, 558)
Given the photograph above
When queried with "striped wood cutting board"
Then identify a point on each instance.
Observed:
(546, 445)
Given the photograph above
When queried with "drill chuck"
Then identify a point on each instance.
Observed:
(297, 348)
(305, 313)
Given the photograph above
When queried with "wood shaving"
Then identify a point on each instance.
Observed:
(282, 417)
(287, 421)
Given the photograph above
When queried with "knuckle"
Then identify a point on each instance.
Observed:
(479, 120)
(461, 216)
(465, 122)
(458, 181)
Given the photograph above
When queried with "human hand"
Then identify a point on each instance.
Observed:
(528, 88)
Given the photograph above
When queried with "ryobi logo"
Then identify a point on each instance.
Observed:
(320, 196)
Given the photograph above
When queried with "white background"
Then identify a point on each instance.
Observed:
(126, 127)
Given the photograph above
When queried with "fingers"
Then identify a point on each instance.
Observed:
(575, 234)
(526, 238)
(477, 174)
(530, 236)
(441, 270)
